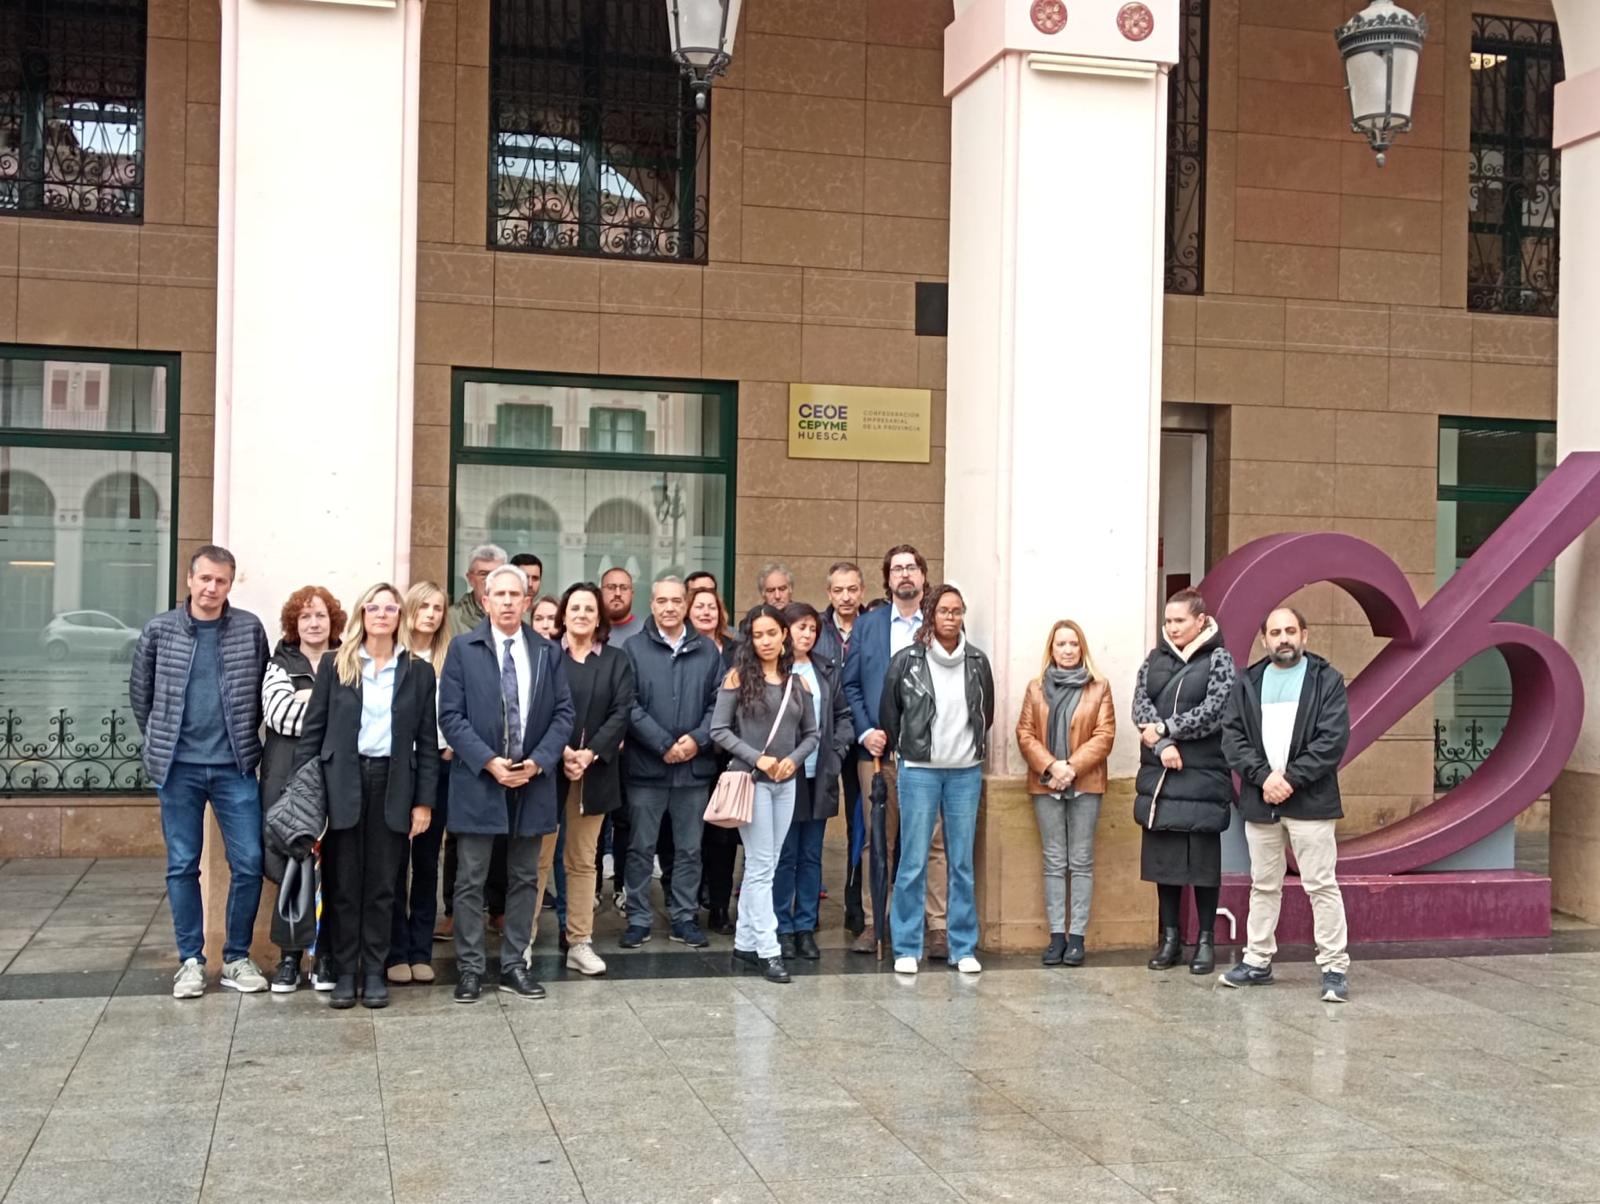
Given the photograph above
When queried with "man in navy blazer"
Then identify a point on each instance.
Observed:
(506, 711)
(877, 636)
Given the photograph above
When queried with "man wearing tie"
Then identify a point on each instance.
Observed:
(506, 711)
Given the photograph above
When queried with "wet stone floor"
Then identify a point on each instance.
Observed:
(1456, 1073)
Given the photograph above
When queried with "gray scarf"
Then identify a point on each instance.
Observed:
(1062, 689)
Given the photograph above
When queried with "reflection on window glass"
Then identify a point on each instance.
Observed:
(544, 417)
(1486, 470)
(86, 528)
(581, 522)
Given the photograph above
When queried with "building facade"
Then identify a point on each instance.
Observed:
(524, 292)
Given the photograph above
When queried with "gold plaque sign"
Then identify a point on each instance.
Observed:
(849, 422)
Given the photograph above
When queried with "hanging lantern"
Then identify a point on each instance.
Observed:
(702, 40)
(1381, 46)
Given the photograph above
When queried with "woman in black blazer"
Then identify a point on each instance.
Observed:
(590, 785)
(372, 722)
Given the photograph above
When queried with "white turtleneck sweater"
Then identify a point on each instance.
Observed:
(953, 746)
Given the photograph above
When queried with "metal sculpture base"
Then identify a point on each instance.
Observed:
(1454, 905)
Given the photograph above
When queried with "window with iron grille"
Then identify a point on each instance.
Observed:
(597, 147)
(1186, 155)
(1514, 176)
(72, 108)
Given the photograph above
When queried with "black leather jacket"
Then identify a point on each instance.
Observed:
(907, 707)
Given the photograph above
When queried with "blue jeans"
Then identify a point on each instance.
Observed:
(763, 840)
(236, 800)
(926, 795)
(797, 885)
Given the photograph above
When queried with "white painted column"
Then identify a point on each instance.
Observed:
(1057, 219)
(316, 312)
(317, 295)
(1575, 798)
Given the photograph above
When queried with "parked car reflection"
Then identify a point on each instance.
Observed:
(90, 633)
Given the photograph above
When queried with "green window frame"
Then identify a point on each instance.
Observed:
(51, 740)
(597, 454)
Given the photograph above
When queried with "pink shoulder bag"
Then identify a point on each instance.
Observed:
(733, 799)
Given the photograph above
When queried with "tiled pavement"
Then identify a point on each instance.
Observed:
(1467, 1074)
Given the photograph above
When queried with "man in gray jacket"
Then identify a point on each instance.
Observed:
(195, 687)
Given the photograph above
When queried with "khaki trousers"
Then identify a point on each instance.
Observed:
(583, 838)
(938, 868)
(1317, 854)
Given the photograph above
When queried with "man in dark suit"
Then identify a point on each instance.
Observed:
(878, 635)
(506, 712)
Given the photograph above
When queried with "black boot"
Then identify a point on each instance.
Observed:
(1074, 954)
(344, 992)
(1058, 948)
(1204, 960)
(1170, 952)
(374, 992)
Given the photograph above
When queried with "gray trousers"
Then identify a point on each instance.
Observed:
(1066, 826)
(473, 854)
(646, 806)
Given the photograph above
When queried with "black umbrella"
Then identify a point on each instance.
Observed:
(879, 872)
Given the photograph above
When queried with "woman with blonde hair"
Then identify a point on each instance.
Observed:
(1065, 731)
(425, 634)
(373, 723)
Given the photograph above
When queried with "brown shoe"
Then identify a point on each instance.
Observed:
(421, 972)
(445, 929)
(400, 973)
(497, 923)
(938, 943)
(864, 944)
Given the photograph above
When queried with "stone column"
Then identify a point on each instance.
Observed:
(1057, 219)
(1575, 798)
(316, 308)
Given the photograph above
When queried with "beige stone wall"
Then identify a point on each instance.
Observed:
(150, 287)
(1334, 330)
(829, 194)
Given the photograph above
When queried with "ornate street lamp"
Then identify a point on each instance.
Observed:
(702, 40)
(1381, 45)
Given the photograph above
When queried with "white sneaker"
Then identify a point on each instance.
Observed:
(969, 965)
(243, 975)
(582, 958)
(620, 902)
(905, 965)
(190, 980)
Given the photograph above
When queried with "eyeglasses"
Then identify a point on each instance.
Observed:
(617, 587)
(945, 612)
(903, 570)
(381, 608)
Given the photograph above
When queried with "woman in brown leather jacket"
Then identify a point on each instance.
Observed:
(1065, 731)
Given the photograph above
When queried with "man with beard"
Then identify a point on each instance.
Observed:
(876, 638)
(616, 595)
(1284, 733)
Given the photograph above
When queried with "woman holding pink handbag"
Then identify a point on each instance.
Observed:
(765, 722)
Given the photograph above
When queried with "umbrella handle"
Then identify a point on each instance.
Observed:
(877, 765)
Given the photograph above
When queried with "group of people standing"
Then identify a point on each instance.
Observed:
(515, 736)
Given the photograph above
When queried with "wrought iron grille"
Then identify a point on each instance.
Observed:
(72, 108)
(1454, 759)
(1186, 155)
(55, 757)
(597, 146)
(1514, 181)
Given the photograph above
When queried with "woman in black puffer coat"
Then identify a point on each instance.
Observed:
(1185, 788)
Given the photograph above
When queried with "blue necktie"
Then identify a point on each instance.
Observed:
(508, 688)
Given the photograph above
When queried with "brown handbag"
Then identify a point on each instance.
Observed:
(733, 799)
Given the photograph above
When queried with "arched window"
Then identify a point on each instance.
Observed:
(27, 554)
(124, 547)
(618, 534)
(520, 522)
